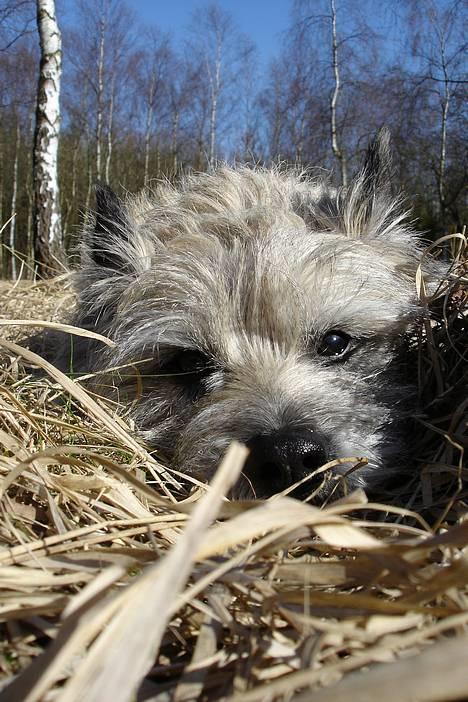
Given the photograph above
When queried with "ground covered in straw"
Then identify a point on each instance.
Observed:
(117, 585)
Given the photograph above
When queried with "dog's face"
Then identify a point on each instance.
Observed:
(251, 305)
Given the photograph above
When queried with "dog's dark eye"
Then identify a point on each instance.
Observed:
(334, 344)
(188, 363)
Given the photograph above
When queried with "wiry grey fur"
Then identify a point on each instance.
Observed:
(252, 268)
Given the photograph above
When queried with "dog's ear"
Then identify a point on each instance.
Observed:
(368, 204)
(376, 173)
(110, 235)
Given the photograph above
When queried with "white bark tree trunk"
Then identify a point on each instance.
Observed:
(158, 158)
(100, 94)
(47, 225)
(174, 139)
(214, 74)
(445, 105)
(149, 124)
(337, 150)
(14, 193)
(110, 126)
(29, 186)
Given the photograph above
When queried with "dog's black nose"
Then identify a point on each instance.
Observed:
(279, 460)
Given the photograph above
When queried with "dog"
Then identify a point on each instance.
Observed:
(260, 305)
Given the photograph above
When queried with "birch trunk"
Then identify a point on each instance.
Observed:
(47, 225)
(443, 136)
(443, 152)
(158, 159)
(110, 126)
(89, 178)
(29, 185)
(100, 95)
(174, 140)
(337, 150)
(149, 125)
(14, 193)
(215, 84)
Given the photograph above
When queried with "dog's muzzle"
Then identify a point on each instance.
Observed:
(277, 461)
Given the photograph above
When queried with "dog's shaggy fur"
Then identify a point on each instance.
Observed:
(256, 305)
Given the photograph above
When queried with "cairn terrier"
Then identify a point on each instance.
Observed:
(257, 305)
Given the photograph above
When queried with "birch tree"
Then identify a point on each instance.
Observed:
(328, 19)
(337, 149)
(341, 42)
(219, 26)
(441, 51)
(14, 196)
(213, 27)
(151, 71)
(101, 47)
(47, 225)
(103, 19)
(296, 103)
(220, 50)
(178, 93)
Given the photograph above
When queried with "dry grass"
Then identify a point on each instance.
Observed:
(115, 585)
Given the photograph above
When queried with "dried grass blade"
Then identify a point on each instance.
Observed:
(277, 514)
(438, 674)
(118, 661)
(58, 326)
(89, 404)
(76, 632)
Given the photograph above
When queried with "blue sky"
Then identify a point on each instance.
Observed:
(262, 20)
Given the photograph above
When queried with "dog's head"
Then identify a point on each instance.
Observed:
(261, 306)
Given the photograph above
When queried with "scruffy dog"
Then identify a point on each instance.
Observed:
(260, 306)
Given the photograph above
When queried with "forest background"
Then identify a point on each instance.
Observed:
(139, 104)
